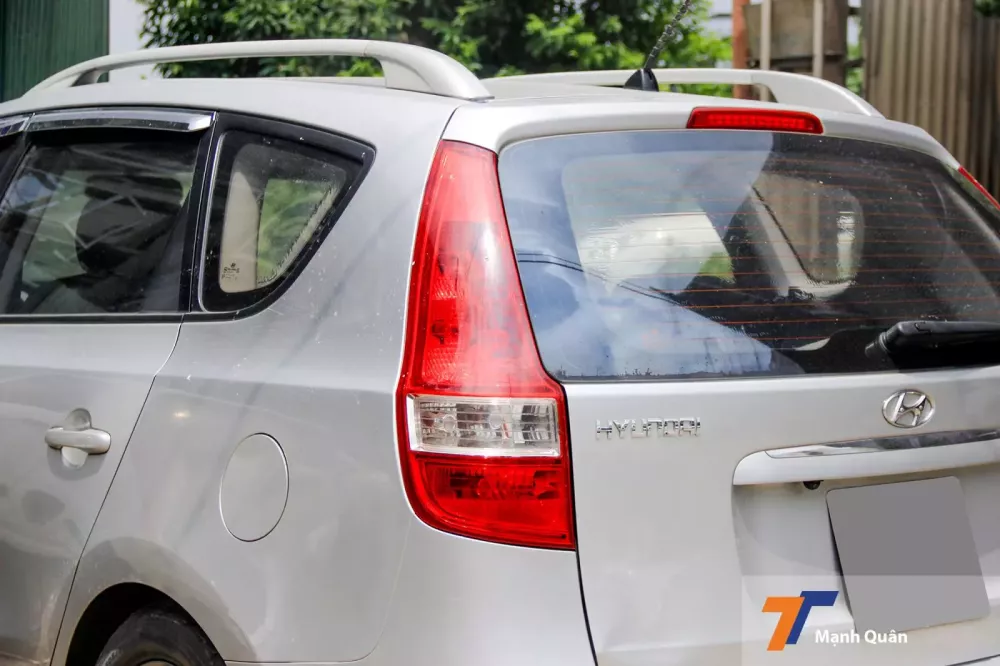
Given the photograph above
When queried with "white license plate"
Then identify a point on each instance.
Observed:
(907, 555)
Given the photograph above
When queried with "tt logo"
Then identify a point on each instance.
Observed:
(643, 428)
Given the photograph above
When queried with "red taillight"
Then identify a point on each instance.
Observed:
(482, 427)
(774, 120)
(975, 183)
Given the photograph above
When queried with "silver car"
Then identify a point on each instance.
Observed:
(432, 371)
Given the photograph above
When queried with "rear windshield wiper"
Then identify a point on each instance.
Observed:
(907, 337)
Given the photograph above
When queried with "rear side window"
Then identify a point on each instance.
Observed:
(665, 255)
(6, 150)
(96, 226)
(272, 198)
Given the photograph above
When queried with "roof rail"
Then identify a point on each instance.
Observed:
(406, 67)
(787, 88)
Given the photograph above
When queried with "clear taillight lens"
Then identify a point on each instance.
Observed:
(485, 426)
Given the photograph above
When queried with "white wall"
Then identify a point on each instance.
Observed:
(124, 26)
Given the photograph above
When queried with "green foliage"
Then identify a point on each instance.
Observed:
(988, 7)
(719, 265)
(855, 75)
(286, 208)
(492, 37)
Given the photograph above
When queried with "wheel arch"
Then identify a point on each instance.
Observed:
(108, 611)
(117, 578)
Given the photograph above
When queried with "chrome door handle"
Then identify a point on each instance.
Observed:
(90, 441)
(76, 439)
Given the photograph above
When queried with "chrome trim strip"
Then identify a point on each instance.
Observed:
(155, 119)
(873, 445)
(12, 125)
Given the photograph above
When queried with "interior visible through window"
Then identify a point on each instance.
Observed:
(717, 254)
(278, 195)
(96, 226)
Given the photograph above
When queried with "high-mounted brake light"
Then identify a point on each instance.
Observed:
(774, 120)
(975, 183)
(482, 427)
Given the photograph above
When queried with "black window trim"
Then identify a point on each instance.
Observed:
(8, 167)
(194, 214)
(206, 296)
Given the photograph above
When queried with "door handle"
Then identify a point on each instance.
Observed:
(76, 439)
(91, 441)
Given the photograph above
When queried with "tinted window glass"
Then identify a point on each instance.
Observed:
(272, 198)
(712, 254)
(6, 150)
(96, 227)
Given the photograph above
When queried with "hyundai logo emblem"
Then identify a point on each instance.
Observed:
(908, 409)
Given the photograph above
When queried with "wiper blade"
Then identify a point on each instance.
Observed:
(929, 336)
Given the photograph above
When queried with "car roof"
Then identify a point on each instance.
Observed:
(520, 109)
(366, 112)
(527, 110)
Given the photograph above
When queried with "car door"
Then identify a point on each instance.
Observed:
(96, 240)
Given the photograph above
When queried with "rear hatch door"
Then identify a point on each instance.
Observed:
(706, 299)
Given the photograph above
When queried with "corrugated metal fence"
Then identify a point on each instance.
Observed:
(936, 64)
(40, 37)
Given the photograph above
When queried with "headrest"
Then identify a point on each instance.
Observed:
(123, 215)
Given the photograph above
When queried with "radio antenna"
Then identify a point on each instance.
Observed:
(644, 79)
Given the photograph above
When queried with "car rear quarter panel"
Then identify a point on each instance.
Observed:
(348, 574)
(317, 372)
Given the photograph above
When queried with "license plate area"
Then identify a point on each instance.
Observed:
(907, 554)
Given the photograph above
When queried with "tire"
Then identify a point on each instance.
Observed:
(157, 635)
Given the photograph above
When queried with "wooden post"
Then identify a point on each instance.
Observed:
(802, 39)
(766, 34)
(836, 16)
(740, 50)
(766, 41)
(819, 55)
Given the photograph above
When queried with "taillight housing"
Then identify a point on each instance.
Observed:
(975, 183)
(482, 427)
(748, 118)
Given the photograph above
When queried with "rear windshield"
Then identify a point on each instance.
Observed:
(656, 254)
